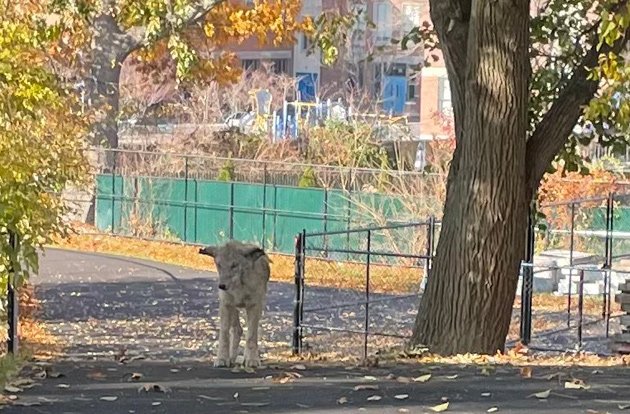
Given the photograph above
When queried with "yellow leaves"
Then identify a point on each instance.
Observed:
(271, 22)
(440, 408)
(41, 138)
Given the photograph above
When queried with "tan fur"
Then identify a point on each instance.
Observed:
(244, 272)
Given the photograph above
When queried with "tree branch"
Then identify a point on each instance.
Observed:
(451, 20)
(554, 129)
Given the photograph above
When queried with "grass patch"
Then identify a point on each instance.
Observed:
(321, 272)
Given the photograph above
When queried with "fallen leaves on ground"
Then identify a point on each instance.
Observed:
(576, 384)
(153, 387)
(543, 395)
(366, 387)
(422, 378)
(342, 400)
(526, 372)
(109, 398)
(12, 389)
(440, 407)
(287, 376)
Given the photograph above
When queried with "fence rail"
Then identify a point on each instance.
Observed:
(374, 267)
(174, 165)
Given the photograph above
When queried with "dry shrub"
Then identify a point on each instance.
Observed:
(563, 185)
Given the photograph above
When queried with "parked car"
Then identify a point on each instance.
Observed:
(243, 121)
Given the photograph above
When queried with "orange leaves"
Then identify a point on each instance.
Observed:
(271, 22)
(565, 186)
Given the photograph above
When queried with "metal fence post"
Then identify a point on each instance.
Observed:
(325, 221)
(608, 253)
(528, 284)
(185, 198)
(298, 296)
(609, 260)
(264, 208)
(13, 303)
(429, 252)
(571, 243)
(367, 294)
(231, 211)
(114, 157)
(580, 307)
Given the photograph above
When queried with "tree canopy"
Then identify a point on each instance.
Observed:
(190, 34)
(41, 138)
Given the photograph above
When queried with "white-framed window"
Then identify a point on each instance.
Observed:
(383, 21)
(411, 15)
(445, 104)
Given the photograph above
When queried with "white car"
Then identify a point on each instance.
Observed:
(242, 121)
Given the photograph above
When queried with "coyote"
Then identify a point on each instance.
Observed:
(243, 277)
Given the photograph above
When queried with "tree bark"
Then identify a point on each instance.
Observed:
(467, 304)
(110, 47)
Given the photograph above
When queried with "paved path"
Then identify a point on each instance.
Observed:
(163, 319)
(106, 387)
(101, 303)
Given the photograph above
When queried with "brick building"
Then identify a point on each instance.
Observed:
(393, 80)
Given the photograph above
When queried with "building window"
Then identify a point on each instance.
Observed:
(250, 64)
(445, 105)
(383, 21)
(411, 16)
(411, 90)
(280, 66)
(306, 42)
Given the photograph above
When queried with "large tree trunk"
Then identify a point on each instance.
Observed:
(468, 299)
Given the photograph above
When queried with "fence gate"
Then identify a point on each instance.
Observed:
(357, 290)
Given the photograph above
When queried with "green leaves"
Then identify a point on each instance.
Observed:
(41, 141)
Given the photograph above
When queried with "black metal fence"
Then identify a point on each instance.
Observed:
(365, 290)
(370, 288)
(581, 244)
(12, 300)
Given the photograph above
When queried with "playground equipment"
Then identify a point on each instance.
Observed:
(261, 99)
(285, 123)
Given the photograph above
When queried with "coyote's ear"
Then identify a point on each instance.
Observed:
(208, 251)
(254, 253)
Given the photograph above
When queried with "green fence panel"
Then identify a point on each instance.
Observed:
(108, 207)
(271, 217)
(249, 212)
(161, 206)
(190, 218)
(213, 212)
(297, 209)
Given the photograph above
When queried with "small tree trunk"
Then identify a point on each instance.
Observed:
(104, 96)
(468, 300)
(110, 48)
